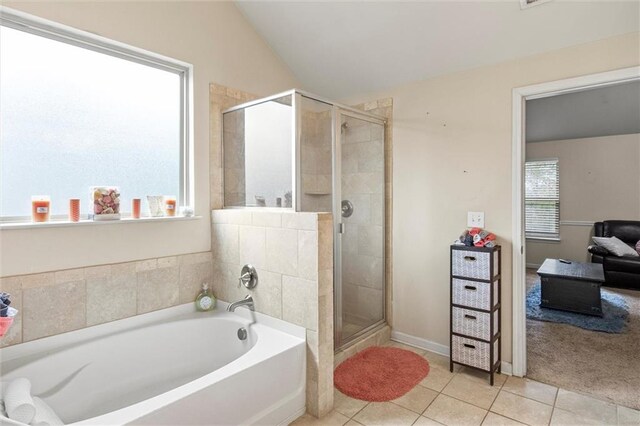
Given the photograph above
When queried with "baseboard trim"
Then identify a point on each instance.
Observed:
(533, 265)
(421, 343)
(417, 342)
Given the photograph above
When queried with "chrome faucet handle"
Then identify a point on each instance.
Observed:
(244, 279)
(248, 277)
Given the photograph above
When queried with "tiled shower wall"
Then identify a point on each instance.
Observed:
(56, 302)
(315, 161)
(234, 158)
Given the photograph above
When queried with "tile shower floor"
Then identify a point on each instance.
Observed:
(464, 397)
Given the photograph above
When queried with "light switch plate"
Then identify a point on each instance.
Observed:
(475, 219)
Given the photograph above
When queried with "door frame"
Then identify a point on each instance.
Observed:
(340, 343)
(520, 96)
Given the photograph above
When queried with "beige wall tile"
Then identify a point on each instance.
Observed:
(97, 271)
(111, 298)
(325, 244)
(239, 216)
(38, 280)
(267, 295)
(304, 221)
(168, 262)
(282, 251)
(146, 265)
(53, 309)
(253, 246)
(308, 255)
(267, 219)
(190, 259)
(225, 243)
(300, 302)
(69, 275)
(157, 289)
(192, 277)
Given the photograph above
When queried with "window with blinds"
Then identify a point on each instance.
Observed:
(542, 199)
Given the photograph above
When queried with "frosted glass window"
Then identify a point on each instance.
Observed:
(72, 118)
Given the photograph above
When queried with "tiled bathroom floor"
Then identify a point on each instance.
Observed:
(464, 397)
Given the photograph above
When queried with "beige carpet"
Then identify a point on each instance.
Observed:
(604, 365)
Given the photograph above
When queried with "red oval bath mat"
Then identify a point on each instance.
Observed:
(380, 373)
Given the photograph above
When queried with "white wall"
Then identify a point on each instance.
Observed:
(451, 154)
(223, 48)
(599, 180)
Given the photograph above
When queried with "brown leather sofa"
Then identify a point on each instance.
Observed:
(624, 271)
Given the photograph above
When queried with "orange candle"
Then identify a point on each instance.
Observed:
(40, 208)
(135, 208)
(170, 206)
(74, 209)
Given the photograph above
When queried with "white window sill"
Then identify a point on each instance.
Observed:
(544, 239)
(66, 223)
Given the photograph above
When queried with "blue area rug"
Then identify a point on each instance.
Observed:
(615, 313)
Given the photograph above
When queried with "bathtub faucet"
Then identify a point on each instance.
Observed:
(247, 301)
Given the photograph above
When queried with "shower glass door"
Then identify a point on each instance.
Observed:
(358, 188)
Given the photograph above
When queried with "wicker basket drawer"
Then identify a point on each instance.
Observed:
(473, 323)
(472, 264)
(474, 294)
(473, 353)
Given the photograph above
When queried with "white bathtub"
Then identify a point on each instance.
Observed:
(171, 367)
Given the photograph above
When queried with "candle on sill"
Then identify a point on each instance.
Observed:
(135, 208)
(170, 205)
(74, 209)
(40, 208)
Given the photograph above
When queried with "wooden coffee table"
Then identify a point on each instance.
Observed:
(573, 287)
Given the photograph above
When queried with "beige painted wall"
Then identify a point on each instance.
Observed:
(599, 180)
(223, 47)
(451, 154)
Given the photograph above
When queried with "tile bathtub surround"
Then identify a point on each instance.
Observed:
(57, 302)
(464, 398)
(293, 256)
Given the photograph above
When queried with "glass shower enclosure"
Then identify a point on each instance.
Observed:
(298, 151)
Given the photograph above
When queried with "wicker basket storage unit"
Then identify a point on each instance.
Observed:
(475, 308)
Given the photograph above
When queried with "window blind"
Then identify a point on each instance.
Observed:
(542, 199)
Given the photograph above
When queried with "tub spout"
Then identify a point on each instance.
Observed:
(247, 301)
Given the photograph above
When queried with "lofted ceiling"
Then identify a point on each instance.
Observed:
(340, 49)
